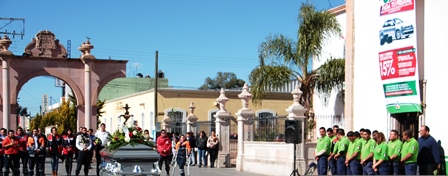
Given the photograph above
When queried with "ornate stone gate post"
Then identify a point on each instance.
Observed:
(297, 112)
(87, 59)
(4, 45)
(166, 123)
(245, 128)
(191, 119)
(222, 131)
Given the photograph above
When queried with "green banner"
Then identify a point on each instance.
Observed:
(407, 88)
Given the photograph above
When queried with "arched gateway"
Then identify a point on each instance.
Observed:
(45, 56)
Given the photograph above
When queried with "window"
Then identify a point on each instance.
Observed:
(176, 126)
(266, 119)
(212, 120)
(178, 116)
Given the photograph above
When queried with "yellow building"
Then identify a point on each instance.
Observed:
(175, 103)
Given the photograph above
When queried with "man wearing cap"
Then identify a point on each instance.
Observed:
(331, 160)
(352, 160)
(409, 153)
(323, 147)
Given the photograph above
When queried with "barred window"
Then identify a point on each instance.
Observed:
(176, 126)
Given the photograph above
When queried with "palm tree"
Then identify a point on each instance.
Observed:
(282, 59)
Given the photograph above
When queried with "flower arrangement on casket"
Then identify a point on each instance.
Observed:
(127, 135)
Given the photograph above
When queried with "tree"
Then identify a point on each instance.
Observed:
(291, 60)
(225, 80)
(21, 111)
(99, 110)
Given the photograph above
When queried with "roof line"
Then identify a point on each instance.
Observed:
(337, 10)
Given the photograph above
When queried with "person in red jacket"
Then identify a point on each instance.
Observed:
(2, 151)
(165, 150)
(69, 146)
(23, 153)
(55, 145)
(11, 147)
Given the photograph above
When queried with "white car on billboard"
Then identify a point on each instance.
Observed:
(395, 29)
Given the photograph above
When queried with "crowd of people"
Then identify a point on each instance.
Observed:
(29, 150)
(180, 149)
(366, 152)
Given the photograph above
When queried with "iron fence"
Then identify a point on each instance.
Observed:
(269, 129)
(206, 126)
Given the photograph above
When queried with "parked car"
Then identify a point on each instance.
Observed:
(395, 29)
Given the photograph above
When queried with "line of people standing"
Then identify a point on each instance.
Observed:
(368, 153)
(30, 150)
(181, 147)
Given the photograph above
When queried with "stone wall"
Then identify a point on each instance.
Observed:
(275, 158)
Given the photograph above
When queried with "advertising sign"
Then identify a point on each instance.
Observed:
(397, 56)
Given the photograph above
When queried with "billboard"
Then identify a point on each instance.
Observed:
(397, 56)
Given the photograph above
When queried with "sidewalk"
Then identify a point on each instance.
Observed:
(194, 170)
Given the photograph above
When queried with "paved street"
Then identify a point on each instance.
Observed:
(194, 170)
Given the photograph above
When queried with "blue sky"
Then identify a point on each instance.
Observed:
(195, 40)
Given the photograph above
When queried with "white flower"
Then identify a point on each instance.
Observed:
(120, 130)
(134, 132)
(108, 143)
(127, 139)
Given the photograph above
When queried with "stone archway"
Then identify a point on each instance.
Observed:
(45, 56)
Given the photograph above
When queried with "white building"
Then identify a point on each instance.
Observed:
(365, 97)
(329, 111)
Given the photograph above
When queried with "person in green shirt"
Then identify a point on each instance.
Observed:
(380, 157)
(331, 160)
(409, 153)
(394, 153)
(341, 153)
(352, 160)
(323, 147)
(367, 153)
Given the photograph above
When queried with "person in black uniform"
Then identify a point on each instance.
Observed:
(84, 145)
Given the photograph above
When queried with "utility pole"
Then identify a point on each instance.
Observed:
(156, 85)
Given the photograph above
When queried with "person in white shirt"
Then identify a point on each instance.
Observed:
(103, 135)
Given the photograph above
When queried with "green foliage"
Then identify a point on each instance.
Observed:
(281, 59)
(35, 123)
(63, 117)
(99, 110)
(222, 80)
(119, 138)
(331, 75)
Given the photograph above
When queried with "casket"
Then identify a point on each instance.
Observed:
(130, 160)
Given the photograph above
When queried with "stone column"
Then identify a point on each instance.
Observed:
(245, 125)
(191, 119)
(4, 45)
(87, 59)
(166, 123)
(297, 112)
(223, 131)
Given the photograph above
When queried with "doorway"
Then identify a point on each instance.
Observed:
(406, 121)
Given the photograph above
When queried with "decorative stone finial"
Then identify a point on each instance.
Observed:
(86, 47)
(296, 110)
(192, 117)
(245, 96)
(222, 100)
(4, 45)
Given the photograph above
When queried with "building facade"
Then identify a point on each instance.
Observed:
(364, 94)
(175, 103)
(329, 110)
